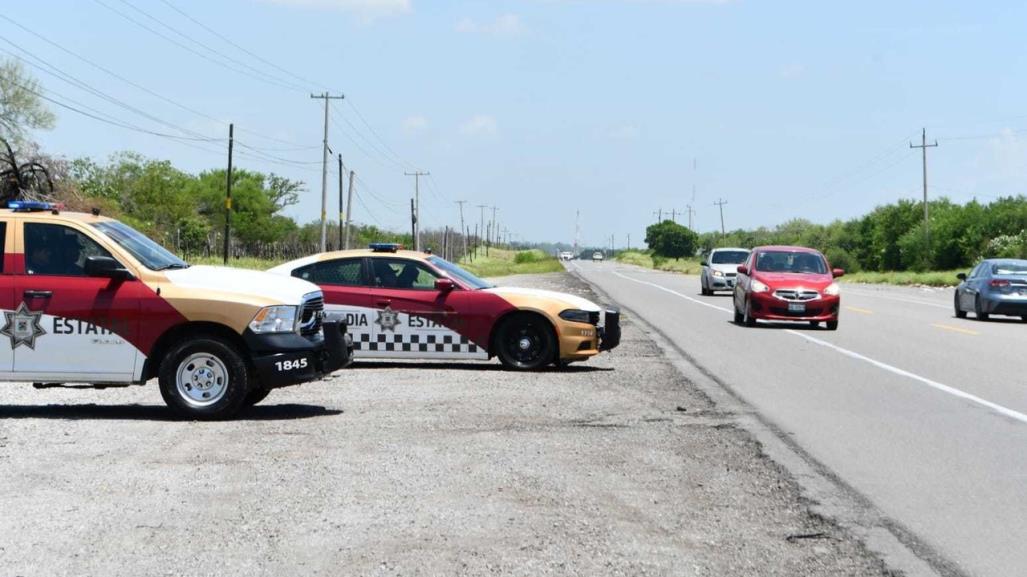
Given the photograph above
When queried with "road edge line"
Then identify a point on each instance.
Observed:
(829, 496)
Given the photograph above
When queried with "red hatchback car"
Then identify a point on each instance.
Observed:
(787, 283)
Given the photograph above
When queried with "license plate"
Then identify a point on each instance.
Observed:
(796, 307)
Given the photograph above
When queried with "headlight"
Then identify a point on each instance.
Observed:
(576, 315)
(717, 273)
(758, 287)
(833, 290)
(276, 319)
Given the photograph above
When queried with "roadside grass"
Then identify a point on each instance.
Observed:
(906, 278)
(501, 262)
(244, 262)
(647, 260)
(901, 278)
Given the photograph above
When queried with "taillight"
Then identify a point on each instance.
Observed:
(998, 283)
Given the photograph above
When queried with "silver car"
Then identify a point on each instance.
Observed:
(719, 269)
(996, 286)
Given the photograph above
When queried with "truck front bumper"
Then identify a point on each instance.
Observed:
(290, 359)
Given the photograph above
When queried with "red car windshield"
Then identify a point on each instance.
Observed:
(790, 262)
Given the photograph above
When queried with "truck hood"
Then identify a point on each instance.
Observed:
(280, 289)
(526, 296)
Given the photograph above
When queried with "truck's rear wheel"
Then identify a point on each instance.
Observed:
(204, 378)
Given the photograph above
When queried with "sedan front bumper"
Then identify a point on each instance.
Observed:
(766, 306)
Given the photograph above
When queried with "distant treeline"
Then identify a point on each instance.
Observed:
(186, 212)
(891, 237)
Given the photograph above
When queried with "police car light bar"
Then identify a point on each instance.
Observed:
(33, 205)
(384, 246)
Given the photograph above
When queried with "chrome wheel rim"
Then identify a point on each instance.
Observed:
(202, 379)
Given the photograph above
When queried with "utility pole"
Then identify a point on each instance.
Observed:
(324, 170)
(674, 214)
(721, 203)
(923, 146)
(413, 222)
(659, 215)
(629, 241)
(342, 211)
(349, 211)
(462, 230)
(495, 232)
(480, 231)
(691, 211)
(417, 174)
(228, 194)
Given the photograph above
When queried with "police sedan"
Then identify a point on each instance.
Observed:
(401, 304)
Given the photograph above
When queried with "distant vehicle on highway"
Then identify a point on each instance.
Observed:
(993, 287)
(597, 256)
(787, 283)
(719, 269)
(566, 255)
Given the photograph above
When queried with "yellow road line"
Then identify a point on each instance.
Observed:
(859, 310)
(956, 329)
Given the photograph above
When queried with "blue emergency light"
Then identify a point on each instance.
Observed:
(384, 246)
(33, 205)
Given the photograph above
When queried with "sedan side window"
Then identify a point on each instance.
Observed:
(53, 249)
(402, 274)
(339, 272)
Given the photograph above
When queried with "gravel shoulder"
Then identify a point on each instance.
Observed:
(617, 466)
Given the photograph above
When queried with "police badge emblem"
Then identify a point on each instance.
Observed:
(22, 327)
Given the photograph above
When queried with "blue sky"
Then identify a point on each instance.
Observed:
(545, 107)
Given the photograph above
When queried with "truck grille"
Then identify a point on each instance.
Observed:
(796, 295)
(312, 315)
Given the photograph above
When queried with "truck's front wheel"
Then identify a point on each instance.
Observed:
(204, 378)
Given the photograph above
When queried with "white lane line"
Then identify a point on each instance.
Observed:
(933, 384)
(684, 296)
(854, 355)
(899, 299)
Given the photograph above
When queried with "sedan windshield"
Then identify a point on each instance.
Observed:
(458, 273)
(729, 257)
(1015, 268)
(152, 255)
(791, 262)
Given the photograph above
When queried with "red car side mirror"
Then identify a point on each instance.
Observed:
(742, 270)
(838, 272)
(444, 284)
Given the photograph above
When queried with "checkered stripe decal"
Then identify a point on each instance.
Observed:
(408, 343)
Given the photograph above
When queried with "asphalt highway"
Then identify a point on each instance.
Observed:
(921, 413)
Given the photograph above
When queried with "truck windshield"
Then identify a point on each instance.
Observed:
(458, 273)
(152, 255)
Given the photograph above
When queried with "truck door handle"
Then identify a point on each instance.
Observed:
(38, 294)
(383, 303)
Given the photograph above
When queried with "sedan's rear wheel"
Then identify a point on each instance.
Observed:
(738, 316)
(960, 313)
(525, 342)
(978, 310)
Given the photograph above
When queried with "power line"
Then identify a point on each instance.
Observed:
(237, 46)
(259, 75)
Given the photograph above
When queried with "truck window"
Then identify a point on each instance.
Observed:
(53, 249)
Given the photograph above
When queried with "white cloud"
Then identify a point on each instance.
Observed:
(367, 9)
(479, 124)
(504, 25)
(625, 132)
(415, 123)
(792, 71)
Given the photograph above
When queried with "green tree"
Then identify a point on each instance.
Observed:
(671, 240)
(21, 108)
